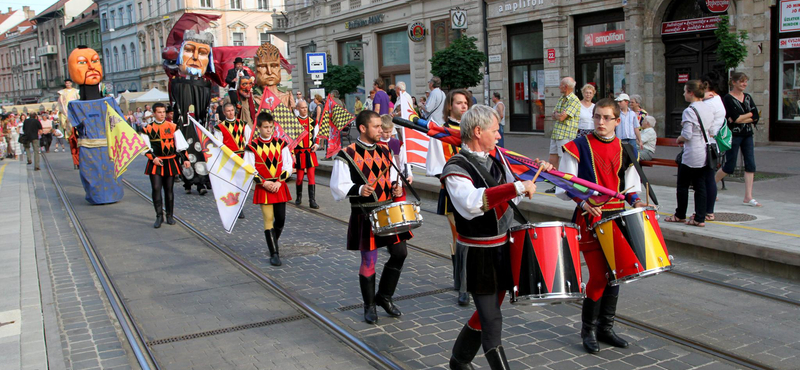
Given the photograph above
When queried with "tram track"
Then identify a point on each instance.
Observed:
(641, 325)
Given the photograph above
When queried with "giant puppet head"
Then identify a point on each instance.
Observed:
(268, 65)
(246, 86)
(84, 66)
(196, 56)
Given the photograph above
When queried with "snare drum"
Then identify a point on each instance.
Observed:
(545, 263)
(395, 218)
(633, 245)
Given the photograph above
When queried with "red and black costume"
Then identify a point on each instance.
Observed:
(357, 165)
(483, 217)
(604, 162)
(167, 143)
(234, 134)
(305, 161)
(272, 160)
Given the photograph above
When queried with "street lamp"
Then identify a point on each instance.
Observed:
(312, 47)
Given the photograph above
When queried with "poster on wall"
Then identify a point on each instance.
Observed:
(539, 82)
(525, 81)
(790, 15)
(619, 78)
(552, 77)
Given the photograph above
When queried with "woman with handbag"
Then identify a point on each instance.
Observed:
(698, 156)
(742, 115)
(712, 84)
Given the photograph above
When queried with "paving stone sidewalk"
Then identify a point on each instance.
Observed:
(317, 266)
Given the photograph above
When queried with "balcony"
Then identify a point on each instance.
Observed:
(46, 50)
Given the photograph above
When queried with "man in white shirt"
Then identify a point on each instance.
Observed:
(649, 138)
(628, 129)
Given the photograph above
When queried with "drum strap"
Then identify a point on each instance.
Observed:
(629, 152)
(492, 183)
(405, 181)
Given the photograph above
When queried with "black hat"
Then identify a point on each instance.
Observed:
(238, 60)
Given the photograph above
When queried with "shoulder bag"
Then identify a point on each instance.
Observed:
(712, 155)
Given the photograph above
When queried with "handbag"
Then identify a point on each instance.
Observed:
(679, 157)
(724, 139)
(21, 139)
(712, 155)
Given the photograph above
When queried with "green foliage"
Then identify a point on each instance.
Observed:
(343, 78)
(459, 65)
(731, 48)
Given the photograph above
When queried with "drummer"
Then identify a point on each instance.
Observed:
(596, 158)
(483, 216)
(352, 167)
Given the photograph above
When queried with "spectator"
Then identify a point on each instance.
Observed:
(586, 123)
(380, 103)
(742, 115)
(422, 102)
(472, 97)
(693, 166)
(47, 133)
(318, 108)
(636, 107)
(32, 129)
(500, 107)
(335, 95)
(712, 83)
(359, 106)
(628, 129)
(434, 106)
(368, 101)
(567, 115)
(137, 118)
(392, 95)
(299, 97)
(14, 127)
(147, 108)
(58, 138)
(649, 138)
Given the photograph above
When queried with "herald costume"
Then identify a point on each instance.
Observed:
(602, 161)
(192, 90)
(166, 142)
(273, 161)
(245, 105)
(97, 169)
(482, 217)
(357, 165)
(305, 161)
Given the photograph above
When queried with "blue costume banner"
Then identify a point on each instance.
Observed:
(97, 169)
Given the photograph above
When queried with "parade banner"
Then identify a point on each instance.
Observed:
(123, 142)
(334, 119)
(287, 127)
(231, 178)
(415, 143)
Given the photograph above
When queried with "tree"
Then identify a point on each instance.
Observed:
(731, 48)
(345, 79)
(459, 65)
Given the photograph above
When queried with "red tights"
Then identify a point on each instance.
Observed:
(311, 180)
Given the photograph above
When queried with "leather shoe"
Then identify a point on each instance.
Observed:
(388, 305)
(203, 191)
(170, 220)
(463, 299)
(611, 338)
(371, 314)
(159, 220)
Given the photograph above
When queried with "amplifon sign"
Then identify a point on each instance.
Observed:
(516, 5)
(689, 25)
(604, 38)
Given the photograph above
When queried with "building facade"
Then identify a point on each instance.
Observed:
(19, 67)
(52, 51)
(373, 35)
(118, 29)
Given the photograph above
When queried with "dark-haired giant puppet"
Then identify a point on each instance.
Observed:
(89, 115)
(188, 90)
(245, 105)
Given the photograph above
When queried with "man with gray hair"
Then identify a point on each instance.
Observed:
(567, 115)
(649, 138)
(480, 186)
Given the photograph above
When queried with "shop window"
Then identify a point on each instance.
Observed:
(790, 84)
(394, 58)
(442, 34)
(600, 53)
(526, 90)
(351, 52)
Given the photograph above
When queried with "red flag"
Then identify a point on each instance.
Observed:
(287, 127)
(334, 118)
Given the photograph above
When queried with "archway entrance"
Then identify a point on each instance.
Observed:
(688, 55)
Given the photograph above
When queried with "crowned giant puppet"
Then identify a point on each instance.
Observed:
(191, 93)
(88, 117)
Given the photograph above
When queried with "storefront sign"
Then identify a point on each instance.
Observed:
(551, 55)
(495, 58)
(416, 31)
(458, 19)
(790, 15)
(790, 43)
(714, 6)
(683, 78)
(516, 5)
(689, 25)
(356, 53)
(604, 38)
(375, 19)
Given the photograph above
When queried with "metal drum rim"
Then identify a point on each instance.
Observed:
(380, 231)
(547, 299)
(624, 213)
(395, 204)
(544, 224)
(640, 275)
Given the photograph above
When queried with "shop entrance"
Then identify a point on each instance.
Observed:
(526, 74)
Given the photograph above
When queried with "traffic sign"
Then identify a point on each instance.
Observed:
(316, 63)
(318, 82)
(317, 76)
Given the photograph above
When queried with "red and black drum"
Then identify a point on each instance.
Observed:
(633, 245)
(545, 263)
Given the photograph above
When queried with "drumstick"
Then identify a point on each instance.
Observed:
(537, 173)
(647, 193)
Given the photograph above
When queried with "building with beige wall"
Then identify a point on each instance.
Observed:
(19, 66)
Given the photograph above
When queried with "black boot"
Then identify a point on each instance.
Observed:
(467, 345)
(272, 244)
(241, 214)
(463, 299)
(386, 288)
(312, 197)
(278, 231)
(605, 323)
(299, 189)
(170, 207)
(159, 211)
(368, 293)
(497, 358)
(589, 313)
(159, 220)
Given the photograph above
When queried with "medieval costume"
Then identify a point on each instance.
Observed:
(273, 161)
(234, 134)
(604, 162)
(64, 97)
(245, 105)
(96, 169)
(480, 187)
(305, 161)
(357, 165)
(166, 142)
